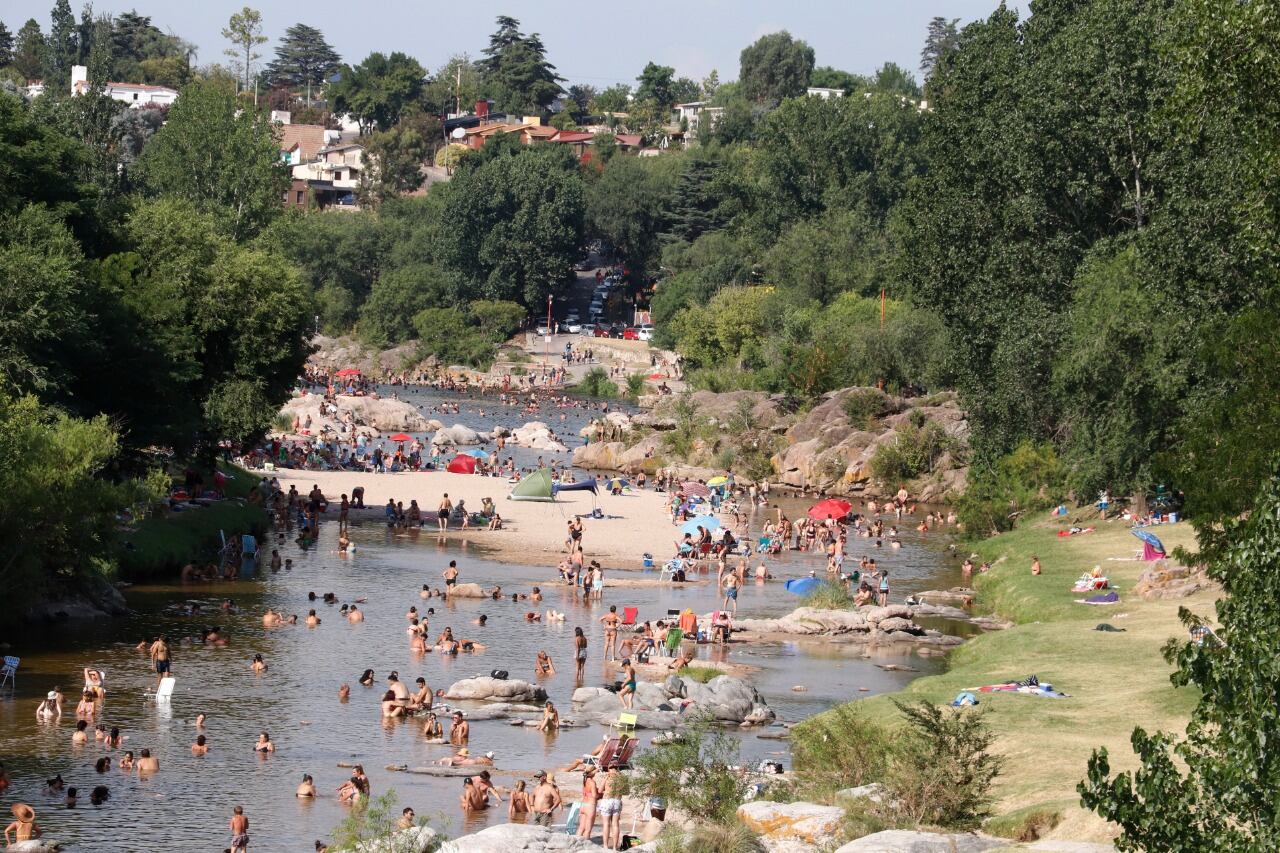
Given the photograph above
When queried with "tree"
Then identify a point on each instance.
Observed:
(582, 94)
(563, 121)
(1213, 788)
(517, 75)
(50, 164)
(398, 296)
(710, 84)
(6, 46)
(826, 77)
(657, 85)
(393, 164)
(454, 87)
(938, 44)
(614, 99)
(63, 48)
(893, 79)
(224, 160)
(626, 206)
(693, 772)
(30, 51)
(378, 90)
(303, 58)
(244, 31)
(775, 67)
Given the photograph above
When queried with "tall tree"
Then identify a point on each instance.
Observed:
(223, 159)
(30, 51)
(244, 31)
(614, 99)
(896, 80)
(657, 85)
(378, 91)
(6, 46)
(826, 77)
(303, 58)
(454, 87)
(516, 72)
(63, 49)
(776, 66)
(939, 43)
(709, 85)
(582, 94)
(393, 163)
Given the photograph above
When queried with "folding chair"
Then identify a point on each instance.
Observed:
(668, 571)
(163, 693)
(9, 672)
(629, 615)
(570, 825)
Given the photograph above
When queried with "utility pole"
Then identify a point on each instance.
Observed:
(457, 91)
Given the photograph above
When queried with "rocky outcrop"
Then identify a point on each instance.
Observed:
(486, 689)
(536, 435)
(457, 435)
(467, 590)
(1164, 580)
(418, 839)
(662, 706)
(95, 599)
(380, 414)
(800, 821)
(892, 624)
(518, 837)
(908, 841)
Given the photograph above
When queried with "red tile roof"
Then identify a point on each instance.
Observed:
(573, 136)
(308, 137)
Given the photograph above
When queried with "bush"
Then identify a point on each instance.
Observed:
(693, 773)
(596, 383)
(1030, 478)
(714, 838)
(829, 596)
(864, 406)
(372, 825)
(840, 748)
(680, 441)
(635, 386)
(941, 773)
(700, 674)
(915, 451)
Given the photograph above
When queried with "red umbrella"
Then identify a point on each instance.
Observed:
(462, 464)
(830, 508)
(695, 489)
(401, 437)
(347, 371)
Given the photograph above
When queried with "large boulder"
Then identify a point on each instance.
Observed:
(418, 839)
(467, 590)
(599, 455)
(807, 822)
(908, 841)
(458, 434)
(724, 697)
(486, 689)
(517, 837)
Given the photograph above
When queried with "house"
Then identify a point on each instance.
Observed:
(578, 140)
(136, 95)
(823, 92)
(692, 115)
(331, 179)
(300, 143)
(35, 88)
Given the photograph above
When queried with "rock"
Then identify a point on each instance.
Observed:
(1165, 580)
(851, 624)
(517, 837)
(1052, 846)
(873, 792)
(789, 845)
(907, 841)
(485, 688)
(458, 434)
(35, 845)
(807, 822)
(467, 590)
(897, 623)
(434, 425)
(419, 839)
(875, 614)
(599, 455)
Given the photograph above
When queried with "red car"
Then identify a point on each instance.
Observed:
(631, 333)
(600, 331)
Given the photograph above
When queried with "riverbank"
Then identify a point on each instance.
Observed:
(532, 532)
(1115, 679)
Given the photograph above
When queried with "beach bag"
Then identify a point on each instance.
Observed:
(500, 674)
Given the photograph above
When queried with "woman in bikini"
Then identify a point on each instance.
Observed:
(519, 805)
(580, 650)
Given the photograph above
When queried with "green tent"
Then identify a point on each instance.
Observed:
(535, 487)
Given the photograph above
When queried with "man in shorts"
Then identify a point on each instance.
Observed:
(239, 831)
(160, 658)
(545, 800)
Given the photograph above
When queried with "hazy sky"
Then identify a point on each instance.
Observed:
(590, 42)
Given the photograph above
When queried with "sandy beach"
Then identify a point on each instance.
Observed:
(533, 532)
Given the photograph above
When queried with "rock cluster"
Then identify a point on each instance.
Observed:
(891, 624)
(1165, 580)
(486, 689)
(537, 436)
(517, 837)
(663, 706)
(382, 414)
(800, 821)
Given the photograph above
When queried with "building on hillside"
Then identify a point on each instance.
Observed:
(35, 88)
(823, 92)
(330, 180)
(136, 95)
(300, 143)
(692, 116)
(579, 140)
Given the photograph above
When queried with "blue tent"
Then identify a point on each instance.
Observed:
(802, 586)
(706, 522)
(584, 486)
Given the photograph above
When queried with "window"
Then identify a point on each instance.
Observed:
(299, 198)
(135, 96)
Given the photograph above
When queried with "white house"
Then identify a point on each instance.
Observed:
(824, 93)
(692, 115)
(136, 95)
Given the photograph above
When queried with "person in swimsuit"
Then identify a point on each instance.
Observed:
(628, 692)
(432, 729)
(307, 787)
(580, 651)
(730, 582)
(442, 513)
(264, 744)
(519, 805)
(610, 621)
(544, 666)
(590, 796)
(460, 731)
(550, 718)
(451, 574)
(611, 810)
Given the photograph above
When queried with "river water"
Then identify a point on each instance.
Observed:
(187, 804)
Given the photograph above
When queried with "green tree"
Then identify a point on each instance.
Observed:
(627, 206)
(1214, 787)
(826, 77)
(893, 79)
(378, 90)
(400, 293)
(49, 164)
(613, 99)
(303, 58)
(581, 95)
(657, 84)
(239, 178)
(774, 67)
(454, 87)
(393, 164)
(30, 51)
(63, 49)
(244, 31)
(693, 772)
(516, 72)
(446, 334)
(938, 44)
(6, 46)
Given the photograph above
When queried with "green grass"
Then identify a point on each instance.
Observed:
(1115, 680)
(828, 596)
(162, 545)
(700, 674)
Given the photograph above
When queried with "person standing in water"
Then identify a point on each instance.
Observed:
(580, 651)
(239, 825)
(160, 658)
(610, 621)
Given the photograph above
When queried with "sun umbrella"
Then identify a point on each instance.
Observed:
(802, 586)
(347, 371)
(830, 508)
(400, 436)
(462, 464)
(619, 483)
(695, 490)
(717, 481)
(474, 452)
(654, 377)
(1150, 538)
(706, 522)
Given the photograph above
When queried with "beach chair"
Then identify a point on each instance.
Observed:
(629, 615)
(607, 756)
(668, 571)
(570, 825)
(9, 671)
(622, 757)
(163, 693)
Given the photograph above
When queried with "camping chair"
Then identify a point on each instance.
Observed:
(622, 757)
(629, 615)
(570, 825)
(607, 756)
(163, 693)
(668, 571)
(9, 672)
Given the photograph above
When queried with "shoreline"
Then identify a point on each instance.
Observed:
(1114, 679)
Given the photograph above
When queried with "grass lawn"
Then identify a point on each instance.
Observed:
(161, 546)
(1115, 680)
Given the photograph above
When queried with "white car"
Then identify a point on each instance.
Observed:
(644, 332)
(543, 330)
(573, 327)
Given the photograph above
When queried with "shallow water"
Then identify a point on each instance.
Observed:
(187, 804)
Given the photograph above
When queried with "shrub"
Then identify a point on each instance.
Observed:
(700, 674)
(680, 441)
(915, 451)
(864, 406)
(840, 748)
(829, 596)
(714, 838)
(282, 422)
(596, 383)
(693, 773)
(635, 386)
(1030, 478)
(941, 773)
(371, 825)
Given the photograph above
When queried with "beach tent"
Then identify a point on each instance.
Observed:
(1152, 547)
(695, 489)
(462, 464)
(583, 486)
(802, 586)
(535, 487)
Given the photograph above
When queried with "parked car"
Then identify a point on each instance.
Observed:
(543, 329)
(631, 333)
(600, 331)
(644, 333)
(616, 330)
(571, 327)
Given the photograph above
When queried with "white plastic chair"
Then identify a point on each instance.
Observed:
(164, 692)
(9, 672)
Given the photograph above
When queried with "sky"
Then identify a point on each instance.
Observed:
(590, 42)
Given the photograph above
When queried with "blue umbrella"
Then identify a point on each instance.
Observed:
(706, 522)
(476, 452)
(1150, 538)
(802, 586)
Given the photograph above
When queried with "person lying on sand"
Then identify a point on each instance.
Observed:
(464, 758)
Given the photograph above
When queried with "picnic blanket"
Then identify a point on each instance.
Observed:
(1029, 686)
(1103, 598)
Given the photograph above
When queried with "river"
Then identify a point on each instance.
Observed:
(187, 804)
